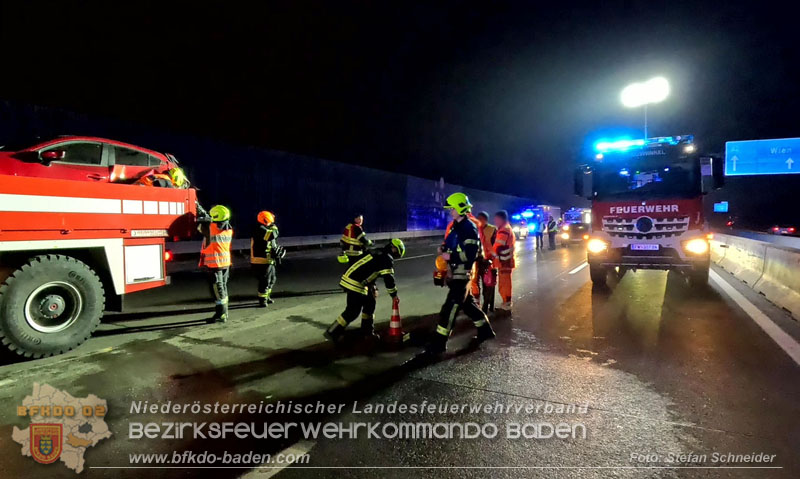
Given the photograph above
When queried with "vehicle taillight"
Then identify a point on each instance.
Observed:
(168, 256)
(729, 223)
(776, 229)
(790, 229)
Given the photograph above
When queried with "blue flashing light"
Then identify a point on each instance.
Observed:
(624, 172)
(516, 217)
(622, 144)
(532, 227)
(666, 169)
(527, 214)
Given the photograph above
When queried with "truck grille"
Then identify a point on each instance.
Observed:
(619, 227)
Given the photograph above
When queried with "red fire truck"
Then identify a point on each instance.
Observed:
(647, 206)
(71, 249)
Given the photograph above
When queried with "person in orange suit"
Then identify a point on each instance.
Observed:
(488, 234)
(504, 253)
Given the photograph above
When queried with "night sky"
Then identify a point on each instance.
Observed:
(496, 95)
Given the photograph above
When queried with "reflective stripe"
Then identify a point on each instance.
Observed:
(391, 290)
(341, 321)
(367, 316)
(479, 323)
(263, 295)
(502, 242)
(361, 235)
(442, 330)
(351, 241)
(386, 271)
(355, 289)
(471, 241)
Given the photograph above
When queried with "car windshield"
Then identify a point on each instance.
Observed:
(635, 178)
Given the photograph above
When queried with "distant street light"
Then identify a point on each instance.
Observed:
(639, 94)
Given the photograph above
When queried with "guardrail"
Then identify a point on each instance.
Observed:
(768, 268)
(189, 247)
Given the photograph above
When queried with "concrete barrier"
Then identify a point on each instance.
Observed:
(189, 247)
(770, 269)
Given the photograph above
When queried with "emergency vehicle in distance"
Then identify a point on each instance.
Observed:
(576, 226)
(76, 236)
(532, 219)
(647, 206)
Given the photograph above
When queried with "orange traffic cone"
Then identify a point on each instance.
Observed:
(395, 333)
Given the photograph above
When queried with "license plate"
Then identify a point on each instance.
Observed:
(645, 247)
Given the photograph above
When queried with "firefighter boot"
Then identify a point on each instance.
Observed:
(220, 314)
(336, 330)
(367, 327)
(438, 344)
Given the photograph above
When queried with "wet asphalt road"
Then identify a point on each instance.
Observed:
(663, 370)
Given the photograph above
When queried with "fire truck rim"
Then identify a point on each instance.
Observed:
(60, 294)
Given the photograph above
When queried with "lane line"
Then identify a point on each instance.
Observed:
(418, 256)
(786, 342)
(579, 268)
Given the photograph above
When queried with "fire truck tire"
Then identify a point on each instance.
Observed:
(698, 278)
(49, 306)
(598, 274)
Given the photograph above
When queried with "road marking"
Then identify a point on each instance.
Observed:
(268, 469)
(786, 342)
(419, 256)
(579, 268)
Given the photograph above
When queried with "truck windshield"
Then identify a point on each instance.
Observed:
(650, 177)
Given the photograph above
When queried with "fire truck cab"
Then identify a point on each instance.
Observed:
(72, 248)
(647, 206)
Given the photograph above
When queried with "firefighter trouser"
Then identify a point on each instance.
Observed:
(356, 304)
(551, 236)
(218, 280)
(458, 299)
(540, 240)
(265, 274)
(504, 284)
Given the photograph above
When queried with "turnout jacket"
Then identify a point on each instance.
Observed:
(367, 270)
(354, 241)
(463, 242)
(263, 243)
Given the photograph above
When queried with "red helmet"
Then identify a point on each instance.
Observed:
(266, 218)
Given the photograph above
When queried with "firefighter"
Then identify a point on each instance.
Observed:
(460, 253)
(174, 178)
(216, 256)
(504, 254)
(552, 229)
(359, 284)
(474, 282)
(264, 254)
(486, 271)
(354, 241)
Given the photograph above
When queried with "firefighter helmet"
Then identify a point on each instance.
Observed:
(178, 177)
(458, 202)
(220, 213)
(398, 243)
(266, 218)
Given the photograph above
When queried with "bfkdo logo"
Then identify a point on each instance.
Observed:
(46, 440)
(62, 427)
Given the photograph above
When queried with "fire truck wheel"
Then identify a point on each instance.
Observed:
(49, 306)
(599, 274)
(698, 278)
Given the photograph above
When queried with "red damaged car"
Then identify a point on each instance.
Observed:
(82, 158)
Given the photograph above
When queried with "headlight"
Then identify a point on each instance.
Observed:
(565, 236)
(696, 246)
(566, 228)
(596, 246)
(515, 229)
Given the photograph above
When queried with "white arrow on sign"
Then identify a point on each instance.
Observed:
(789, 163)
(734, 160)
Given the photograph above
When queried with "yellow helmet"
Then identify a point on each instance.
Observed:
(458, 202)
(401, 247)
(178, 177)
(220, 213)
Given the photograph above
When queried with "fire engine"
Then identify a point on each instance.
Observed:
(72, 248)
(647, 206)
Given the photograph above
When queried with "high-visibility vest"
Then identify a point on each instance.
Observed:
(353, 240)
(217, 253)
(504, 247)
(148, 180)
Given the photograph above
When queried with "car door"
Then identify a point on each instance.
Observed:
(75, 160)
(129, 163)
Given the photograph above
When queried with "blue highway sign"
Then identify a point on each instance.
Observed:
(762, 157)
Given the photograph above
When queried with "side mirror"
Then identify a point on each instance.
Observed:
(582, 173)
(52, 155)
